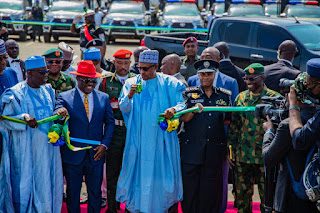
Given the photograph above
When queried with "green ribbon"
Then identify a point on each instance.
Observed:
(43, 121)
(107, 26)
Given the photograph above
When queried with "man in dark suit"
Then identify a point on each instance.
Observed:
(228, 68)
(91, 118)
(13, 61)
(283, 68)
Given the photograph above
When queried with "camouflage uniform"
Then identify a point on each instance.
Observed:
(187, 69)
(63, 83)
(246, 136)
(112, 86)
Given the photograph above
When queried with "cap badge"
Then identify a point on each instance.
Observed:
(206, 64)
(191, 39)
(57, 53)
(127, 55)
(251, 70)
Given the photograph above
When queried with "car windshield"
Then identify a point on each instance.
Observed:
(304, 11)
(13, 5)
(310, 40)
(219, 9)
(245, 10)
(69, 8)
(272, 9)
(126, 8)
(180, 9)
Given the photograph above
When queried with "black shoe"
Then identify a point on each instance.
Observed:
(103, 202)
(84, 201)
(118, 205)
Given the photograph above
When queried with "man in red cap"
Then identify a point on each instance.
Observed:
(112, 84)
(91, 118)
(190, 46)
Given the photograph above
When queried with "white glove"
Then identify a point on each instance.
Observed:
(77, 19)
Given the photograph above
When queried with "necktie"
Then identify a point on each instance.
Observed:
(86, 104)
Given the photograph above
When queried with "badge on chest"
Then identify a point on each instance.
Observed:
(114, 103)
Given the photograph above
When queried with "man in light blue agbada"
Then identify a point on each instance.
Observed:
(150, 179)
(30, 170)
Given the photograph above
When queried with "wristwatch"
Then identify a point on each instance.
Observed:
(294, 107)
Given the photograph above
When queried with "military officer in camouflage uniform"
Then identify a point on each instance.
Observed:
(112, 84)
(246, 136)
(59, 81)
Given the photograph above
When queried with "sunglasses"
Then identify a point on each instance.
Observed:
(41, 72)
(88, 80)
(145, 68)
(251, 78)
(49, 62)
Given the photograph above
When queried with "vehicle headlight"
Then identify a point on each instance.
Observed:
(108, 21)
(198, 23)
(16, 16)
(48, 18)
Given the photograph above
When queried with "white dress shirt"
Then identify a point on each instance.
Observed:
(90, 100)
(16, 67)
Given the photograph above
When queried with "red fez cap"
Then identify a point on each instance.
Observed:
(124, 54)
(190, 39)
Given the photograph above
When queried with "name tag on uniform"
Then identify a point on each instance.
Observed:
(114, 88)
(114, 104)
(197, 101)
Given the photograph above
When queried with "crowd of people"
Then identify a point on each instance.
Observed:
(117, 103)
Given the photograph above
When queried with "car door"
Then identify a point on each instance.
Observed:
(266, 43)
(237, 35)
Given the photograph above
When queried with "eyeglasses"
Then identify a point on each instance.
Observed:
(41, 72)
(49, 62)
(88, 80)
(251, 78)
(145, 68)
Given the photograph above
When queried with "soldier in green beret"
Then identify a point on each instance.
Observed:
(246, 136)
(59, 81)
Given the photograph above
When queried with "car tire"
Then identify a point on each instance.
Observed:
(56, 37)
(23, 36)
(47, 37)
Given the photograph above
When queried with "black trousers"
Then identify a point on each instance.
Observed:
(203, 184)
(93, 179)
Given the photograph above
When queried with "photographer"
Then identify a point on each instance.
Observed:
(277, 147)
(305, 136)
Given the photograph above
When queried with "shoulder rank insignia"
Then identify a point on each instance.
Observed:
(221, 102)
(223, 90)
(194, 95)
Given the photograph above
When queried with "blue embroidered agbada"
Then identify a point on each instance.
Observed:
(150, 179)
(30, 170)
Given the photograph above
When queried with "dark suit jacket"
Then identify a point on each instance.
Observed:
(229, 69)
(23, 68)
(100, 128)
(274, 72)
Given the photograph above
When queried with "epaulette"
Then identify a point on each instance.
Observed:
(108, 74)
(223, 90)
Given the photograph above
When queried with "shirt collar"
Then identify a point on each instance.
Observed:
(11, 59)
(175, 75)
(225, 59)
(289, 62)
(82, 93)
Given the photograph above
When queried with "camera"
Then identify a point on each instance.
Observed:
(274, 107)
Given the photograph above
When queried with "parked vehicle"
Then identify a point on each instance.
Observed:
(250, 40)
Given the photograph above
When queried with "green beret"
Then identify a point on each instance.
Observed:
(53, 53)
(254, 69)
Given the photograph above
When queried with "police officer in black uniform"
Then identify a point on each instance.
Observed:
(203, 143)
(88, 31)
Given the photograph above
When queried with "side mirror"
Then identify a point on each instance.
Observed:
(203, 14)
(267, 14)
(147, 13)
(283, 15)
(28, 9)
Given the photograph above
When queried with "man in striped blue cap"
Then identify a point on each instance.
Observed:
(31, 169)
